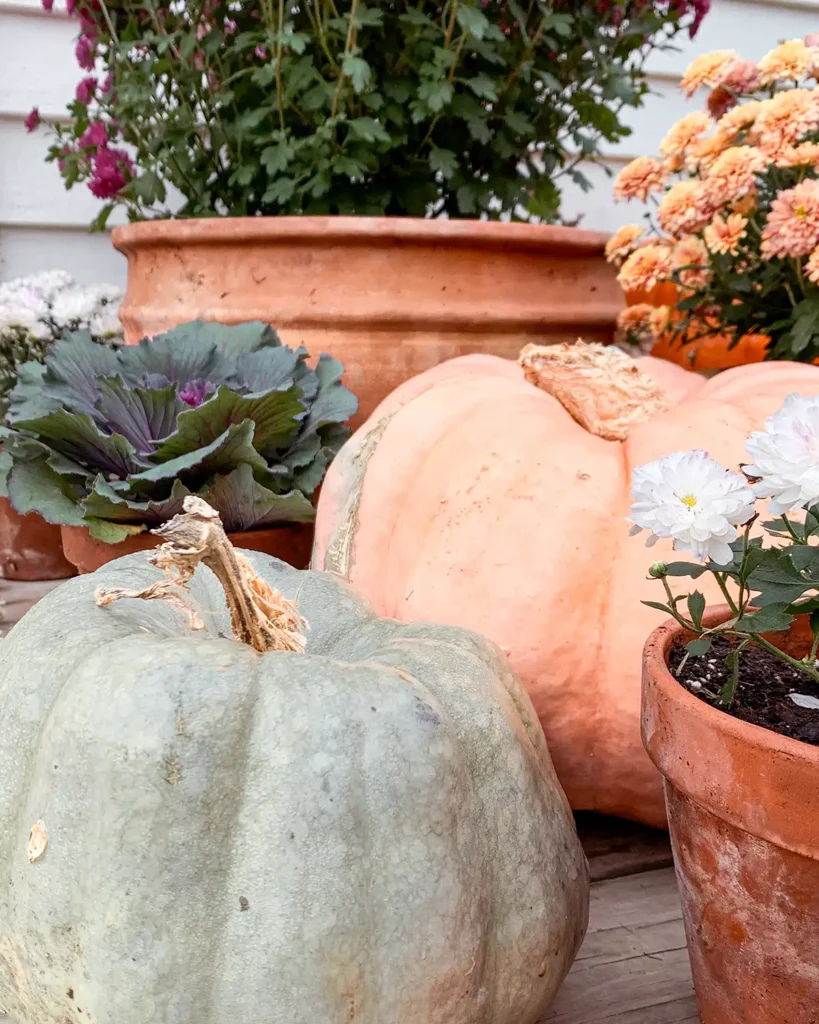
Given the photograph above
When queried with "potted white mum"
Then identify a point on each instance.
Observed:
(34, 312)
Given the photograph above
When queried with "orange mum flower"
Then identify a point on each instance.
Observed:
(792, 227)
(703, 152)
(723, 235)
(738, 119)
(806, 154)
(645, 268)
(812, 267)
(682, 134)
(633, 318)
(622, 242)
(690, 260)
(684, 208)
(659, 320)
(733, 174)
(784, 119)
(789, 62)
(708, 69)
(740, 79)
(640, 178)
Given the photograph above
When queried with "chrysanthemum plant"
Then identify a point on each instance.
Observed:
(767, 570)
(35, 311)
(462, 108)
(116, 439)
(736, 225)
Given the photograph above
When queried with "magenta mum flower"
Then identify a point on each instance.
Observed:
(70, 6)
(95, 135)
(48, 5)
(85, 52)
(33, 120)
(112, 168)
(86, 90)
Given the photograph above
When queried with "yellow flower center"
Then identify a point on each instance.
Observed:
(800, 211)
(689, 500)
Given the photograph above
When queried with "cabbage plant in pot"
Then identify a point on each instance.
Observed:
(109, 443)
(398, 129)
(731, 713)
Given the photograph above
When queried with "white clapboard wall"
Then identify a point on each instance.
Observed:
(42, 226)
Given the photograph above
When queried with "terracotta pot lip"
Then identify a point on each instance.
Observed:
(360, 231)
(655, 654)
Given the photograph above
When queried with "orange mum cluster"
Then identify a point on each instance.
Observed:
(719, 157)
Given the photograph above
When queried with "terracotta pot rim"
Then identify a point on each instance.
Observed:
(765, 792)
(360, 231)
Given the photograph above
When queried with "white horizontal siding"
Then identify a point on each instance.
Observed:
(37, 68)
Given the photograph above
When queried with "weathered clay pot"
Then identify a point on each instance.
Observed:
(743, 809)
(30, 548)
(389, 297)
(291, 543)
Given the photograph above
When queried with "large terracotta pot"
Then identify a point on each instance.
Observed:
(30, 548)
(743, 808)
(389, 297)
(290, 543)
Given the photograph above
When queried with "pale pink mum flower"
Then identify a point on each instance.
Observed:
(707, 69)
(792, 227)
(806, 154)
(733, 174)
(659, 320)
(724, 234)
(690, 260)
(634, 318)
(645, 268)
(682, 134)
(684, 208)
(640, 178)
(791, 61)
(703, 152)
(622, 243)
(741, 78)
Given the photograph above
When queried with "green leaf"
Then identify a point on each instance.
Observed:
(143, 416)
(769, 619)
(33, 486)
(280, 191)
(222, 455)
(805, 324)
(472, 20)
(358, 71)
(104, 503)
(700, 646)
(68, 380)
(776, 580)
(436, 93)
(275, 159)
(112, 533)
(368, 130)
(244, 504)
(483, 86)
(479, 129)
(657, 606)
(77, 437)
(149, 188)
(443, 160)
(685, 569)
(519, 123)
(696, 607)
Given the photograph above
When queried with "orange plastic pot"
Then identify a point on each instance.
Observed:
(388, 297)
(290, 543)
(710, 353)
(743, 809)
(30, 548)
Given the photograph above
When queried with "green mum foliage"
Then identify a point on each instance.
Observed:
(115, 439)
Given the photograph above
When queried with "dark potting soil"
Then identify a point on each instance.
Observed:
(762, 695)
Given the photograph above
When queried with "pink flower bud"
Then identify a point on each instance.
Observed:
(33, 120)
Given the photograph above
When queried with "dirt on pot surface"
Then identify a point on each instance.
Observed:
(762, 697)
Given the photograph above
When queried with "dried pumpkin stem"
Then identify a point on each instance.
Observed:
(599, 386)
(261, 617)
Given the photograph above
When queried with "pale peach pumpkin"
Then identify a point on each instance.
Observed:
(472, 497)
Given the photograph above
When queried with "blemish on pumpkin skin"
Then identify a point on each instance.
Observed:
(173, 769)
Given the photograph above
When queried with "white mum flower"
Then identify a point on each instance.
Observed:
(73, 307)
(692, 499)
(786, 456)
(105, 323)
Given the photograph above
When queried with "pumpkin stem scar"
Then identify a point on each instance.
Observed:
(600, 387)
(261, 617)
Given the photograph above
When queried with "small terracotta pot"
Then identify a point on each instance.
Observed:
(290, 543)
(387, 296)
(743, 809)
(30, 548)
